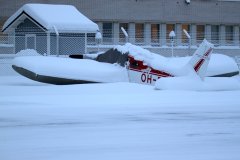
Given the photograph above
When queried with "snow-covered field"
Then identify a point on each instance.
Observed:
(116, 121)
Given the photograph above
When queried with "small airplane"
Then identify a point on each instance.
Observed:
(127, 63)
(144, 72)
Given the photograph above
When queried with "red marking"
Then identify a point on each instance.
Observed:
(157, 72)
(198, 65)
(137, 65)
(201, 61)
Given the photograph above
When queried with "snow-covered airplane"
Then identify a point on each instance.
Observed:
(128, 63)
(145, 69)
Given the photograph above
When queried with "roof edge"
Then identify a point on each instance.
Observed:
(30, 17)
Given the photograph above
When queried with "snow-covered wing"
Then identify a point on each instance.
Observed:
(72, 69)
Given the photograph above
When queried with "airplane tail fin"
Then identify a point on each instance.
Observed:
(201, 57)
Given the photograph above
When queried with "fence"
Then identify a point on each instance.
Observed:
(158, 39)
(68, 42)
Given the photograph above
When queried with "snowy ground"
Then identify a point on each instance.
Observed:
(114, 121)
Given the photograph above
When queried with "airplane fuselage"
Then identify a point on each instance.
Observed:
(138, 72)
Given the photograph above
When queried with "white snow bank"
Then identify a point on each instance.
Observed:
(196, 84)
(78, 69)
(62, 17)
(219, 64)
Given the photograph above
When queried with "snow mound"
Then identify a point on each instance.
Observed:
(196, 84)
(27, 52)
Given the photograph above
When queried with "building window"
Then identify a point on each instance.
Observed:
(155, 29)
(200, 33)
(121, 34)
(229, 35)
(107, 32)
(139, 33)
(215, 34)
(185, 40)
(170, 27)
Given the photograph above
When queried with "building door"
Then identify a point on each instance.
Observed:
(30, 41)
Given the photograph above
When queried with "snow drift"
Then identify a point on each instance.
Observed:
(196, 84)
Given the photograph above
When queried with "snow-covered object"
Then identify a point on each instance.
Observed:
(150, 59)
(84, 69)
(65, 18)
(218, 63)
(104, 72)
(172, 34)
(98, 36)
(196, 84)
(27, 52)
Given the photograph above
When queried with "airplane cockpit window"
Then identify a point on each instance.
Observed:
(134, 64)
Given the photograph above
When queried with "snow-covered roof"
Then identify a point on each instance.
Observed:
(65, 18)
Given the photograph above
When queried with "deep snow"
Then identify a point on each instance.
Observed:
(116, 121)
(194, 83)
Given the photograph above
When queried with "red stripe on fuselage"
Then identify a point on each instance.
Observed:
(137, 65)
(142, 71)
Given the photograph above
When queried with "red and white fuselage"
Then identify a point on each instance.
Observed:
(140, 72)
